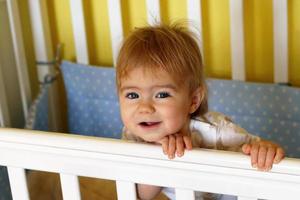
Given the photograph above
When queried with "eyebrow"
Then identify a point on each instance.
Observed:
(170, 86)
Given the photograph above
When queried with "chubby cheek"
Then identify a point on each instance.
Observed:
(175, 120)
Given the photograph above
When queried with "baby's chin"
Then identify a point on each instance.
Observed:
(152, 137)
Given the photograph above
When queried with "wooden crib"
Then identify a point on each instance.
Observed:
(129, 163)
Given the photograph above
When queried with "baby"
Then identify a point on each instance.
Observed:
(163, 99)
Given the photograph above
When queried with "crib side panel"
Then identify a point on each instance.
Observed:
(199, 170)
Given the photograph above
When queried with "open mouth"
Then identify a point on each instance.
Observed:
(149, 124)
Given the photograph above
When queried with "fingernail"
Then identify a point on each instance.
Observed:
(254, 165)
(179, 154)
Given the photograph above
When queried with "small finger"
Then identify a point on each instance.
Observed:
(172, 147)
(187, 142)
(270, 158)
(179, 145)
(279, 155)
(254, 154)
(262, 154)
(165, 144)
(246, 148)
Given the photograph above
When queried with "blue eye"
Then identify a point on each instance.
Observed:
(132, 95)
(163, 95)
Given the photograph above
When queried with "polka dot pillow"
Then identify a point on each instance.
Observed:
(93, 107)
(269, 110)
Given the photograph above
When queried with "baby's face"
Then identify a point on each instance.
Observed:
(153, 105)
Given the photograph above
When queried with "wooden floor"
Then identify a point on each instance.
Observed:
(46, 186)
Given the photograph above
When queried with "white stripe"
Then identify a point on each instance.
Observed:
(70, 187)
(116, 28)
(153, 11)
(18, 44)
(126, 190)
(41, 35)
(79, 31)
(280, 41)
(18, 183)
(183, 194)
(237, 39)
(195, 15)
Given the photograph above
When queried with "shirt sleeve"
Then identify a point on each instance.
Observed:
(220, 132)
(231, 136)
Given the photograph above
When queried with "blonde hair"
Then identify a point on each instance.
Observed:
(172, 48)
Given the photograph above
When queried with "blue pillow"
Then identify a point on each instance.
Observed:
(93, 107)
(268, 110)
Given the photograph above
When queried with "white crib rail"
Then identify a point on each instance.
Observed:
(128, 163)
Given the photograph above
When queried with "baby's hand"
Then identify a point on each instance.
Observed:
(263, 154)
(175, 143)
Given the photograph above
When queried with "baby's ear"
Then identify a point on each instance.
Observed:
(196, 99)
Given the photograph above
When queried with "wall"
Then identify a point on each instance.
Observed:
(258, 27)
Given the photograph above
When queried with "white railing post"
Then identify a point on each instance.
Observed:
(153, 11)
(70, 187)
(195, 15)
(18, 183)
(126, 190)
(280, 27)
(116, 28)
(237, 39)
(78, 24)
(183, 194)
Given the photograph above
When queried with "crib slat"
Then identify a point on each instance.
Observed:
(18, 44)
(43, 52)
(116, 28)
(126, 190)
(41, 34)
(183, 194)
(70, 187)
(153, 11)
(280, 41)
(79, 31)
(18, 183)
(195, 15)
(237, 39)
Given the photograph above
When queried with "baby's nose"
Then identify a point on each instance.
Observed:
(146, 107)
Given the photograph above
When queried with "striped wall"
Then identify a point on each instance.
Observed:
(258, 27)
